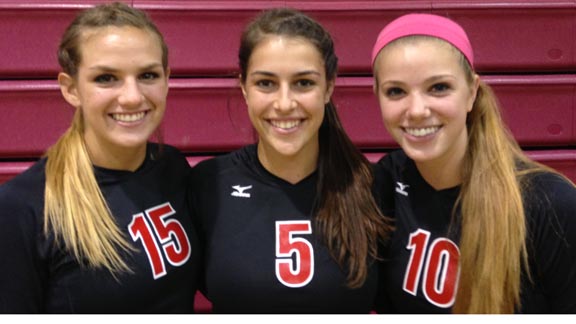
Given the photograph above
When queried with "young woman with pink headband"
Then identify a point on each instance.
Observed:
(480, 228)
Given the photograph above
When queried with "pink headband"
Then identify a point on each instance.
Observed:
(428, 25)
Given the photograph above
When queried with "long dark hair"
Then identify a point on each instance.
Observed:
(347, 215)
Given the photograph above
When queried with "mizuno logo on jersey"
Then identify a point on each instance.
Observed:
(239, 191)
(400, 188)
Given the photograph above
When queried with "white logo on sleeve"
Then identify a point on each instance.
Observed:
(239, 191)
(400, 188)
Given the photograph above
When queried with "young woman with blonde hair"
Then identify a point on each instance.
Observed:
(481, 228)
(101, 224)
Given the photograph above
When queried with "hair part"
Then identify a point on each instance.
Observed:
(347, 215)
(115, 14)
(290, 23)
(414, 39)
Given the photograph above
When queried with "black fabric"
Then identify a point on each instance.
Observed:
(38, 276)
(240, 234)
(550, 204)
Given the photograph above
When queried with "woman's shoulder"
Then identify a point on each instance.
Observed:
(393, 159)
(213, 164)
(551, 186)
(23, 194)
(166, 156)
(223, 162)
(28, 183)
(392, 164)
(156, 151)
(550, 205)
(550, 198)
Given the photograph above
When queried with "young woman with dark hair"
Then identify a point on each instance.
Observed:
(289, 223)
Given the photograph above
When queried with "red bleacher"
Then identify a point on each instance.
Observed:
(525, 49)
(209, 115)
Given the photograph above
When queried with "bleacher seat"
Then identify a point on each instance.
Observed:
(208, 115)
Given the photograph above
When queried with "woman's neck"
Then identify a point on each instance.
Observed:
(440, 176)
(445, 171)
(442, 173)
(128, 159)
(291, 168)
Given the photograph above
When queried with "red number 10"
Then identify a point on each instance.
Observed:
(440, 268)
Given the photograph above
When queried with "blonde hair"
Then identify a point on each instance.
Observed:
(74, 207)
(493, 247)
(75, 210)
(493, 240)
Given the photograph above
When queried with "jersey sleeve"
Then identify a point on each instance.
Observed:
(552, 236)
(21, 279)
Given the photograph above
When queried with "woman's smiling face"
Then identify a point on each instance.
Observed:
(424, 98)
(286, 91)
(121, 87)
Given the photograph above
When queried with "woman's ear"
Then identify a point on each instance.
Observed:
(69, 89)
(475, 87)
(167, 80)
(329, 91)
(242, 86)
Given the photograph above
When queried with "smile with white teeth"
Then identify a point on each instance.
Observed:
(420, 132)
(285, 124)
(129, 118)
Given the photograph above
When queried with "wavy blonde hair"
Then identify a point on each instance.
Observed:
(75, 210)
(493, 251)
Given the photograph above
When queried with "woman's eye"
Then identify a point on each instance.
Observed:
(104, 78)
(149, 76)
(394, 92)
(266, 84)
(439, 87)
(305, 83)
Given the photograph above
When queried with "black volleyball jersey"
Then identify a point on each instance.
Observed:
(150, 207)
(421, 273)
(263, 251)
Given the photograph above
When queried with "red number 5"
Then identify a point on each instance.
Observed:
(170, 237)
(440, 268)
(298, 271)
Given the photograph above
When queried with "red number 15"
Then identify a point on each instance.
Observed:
(168, 236)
